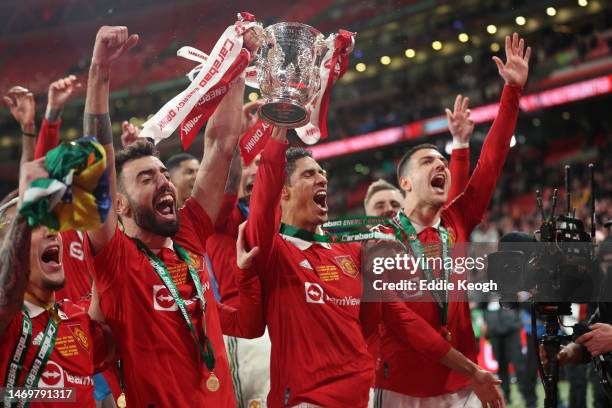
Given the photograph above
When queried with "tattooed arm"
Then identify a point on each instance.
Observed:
(14, 269)
(15, 251)
(111, 43)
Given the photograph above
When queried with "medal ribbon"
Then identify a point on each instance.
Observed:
(21, 350)
(441, 297)
(207, 353)
(225, 52)
(334, 238)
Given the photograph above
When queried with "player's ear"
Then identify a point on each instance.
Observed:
(405, 184)
(123, 207)
(285, 193)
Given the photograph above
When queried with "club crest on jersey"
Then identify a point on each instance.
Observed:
(80, 336)
(347, 265)
(196, 261)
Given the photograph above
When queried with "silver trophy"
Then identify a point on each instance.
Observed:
(288, 65)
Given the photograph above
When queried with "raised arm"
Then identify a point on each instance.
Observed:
(473, 202)
(15, 252)
(21, 104)
(261, 227)
(59, 93)
(461, 128)
(111, 43)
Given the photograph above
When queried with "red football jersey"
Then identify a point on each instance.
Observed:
(400, 352)
(80, 351)
(77, 264)
(161, 362)
(311, 303)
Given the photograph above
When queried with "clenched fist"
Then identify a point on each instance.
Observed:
(60, 91)
(111, 43)
(21, 103)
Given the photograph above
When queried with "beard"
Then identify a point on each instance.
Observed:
(146, 219)
(52, 285)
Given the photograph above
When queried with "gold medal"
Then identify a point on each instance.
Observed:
(447, 334)
(121, 401)
(212, 383)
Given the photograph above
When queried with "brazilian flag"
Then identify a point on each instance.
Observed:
(76, 195)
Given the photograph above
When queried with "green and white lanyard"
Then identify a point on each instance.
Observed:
(441, 297)
(206, 351)
(21, 350)
(340, 237)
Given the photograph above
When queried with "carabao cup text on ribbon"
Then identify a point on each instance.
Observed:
(224, 55)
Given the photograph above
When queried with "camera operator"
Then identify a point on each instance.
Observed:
(598, 340)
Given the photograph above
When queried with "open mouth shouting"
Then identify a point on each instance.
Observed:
(51, 258)
(320, 199)
(438, 182)
(165, 205)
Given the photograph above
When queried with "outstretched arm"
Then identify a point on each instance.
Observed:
(470, 206)
(111, 43)
(59, 93)
(262, 226)
(21, 104)
(461, 128)
(15, 251)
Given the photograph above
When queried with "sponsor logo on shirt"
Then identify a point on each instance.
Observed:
(52, 376)
(76, 250)
(255, 403)
(306, 264)
(37, 339)
(164, 302)
(315, 294)
(162, 299)
(347, 265)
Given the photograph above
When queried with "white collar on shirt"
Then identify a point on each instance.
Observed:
(303, 245)
(35, 310)
(168, 245)
(418, 227)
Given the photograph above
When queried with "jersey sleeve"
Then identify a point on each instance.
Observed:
(460, 171)
(48, 137)
(196, 227)
(414, 331)
(221, 251)
(103, 346)
(247, 318)
(469, 207)
(223, 219)
(112, 262)
(262, 225)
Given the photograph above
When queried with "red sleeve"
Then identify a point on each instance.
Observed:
(246, 320)
(460, 171)
(269, 181)
(414, 331)
(469, 207)
(111, 260)
(103, 346)
(48, 137)
(370, 315)
(221, 251)
(196, 227)
(227, 205)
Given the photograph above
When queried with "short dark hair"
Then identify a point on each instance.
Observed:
(175, 161)
(140, 148)
(292, 155)
(403, 163)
